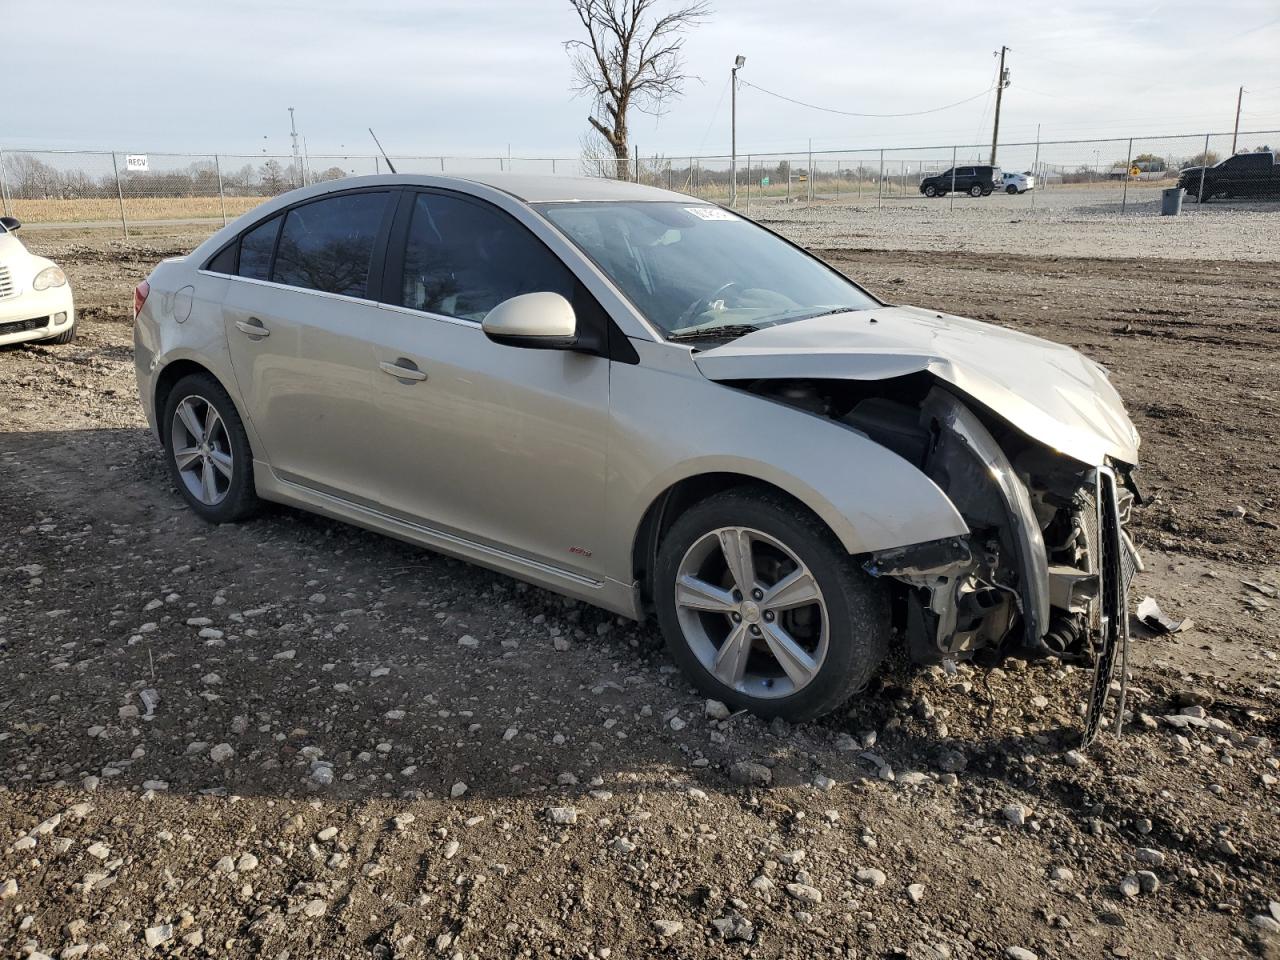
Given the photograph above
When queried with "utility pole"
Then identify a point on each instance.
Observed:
(733, 128)
(297, 162)
(1001, 82)
(1236, 133)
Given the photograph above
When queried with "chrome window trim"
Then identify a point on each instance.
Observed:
(284, 286)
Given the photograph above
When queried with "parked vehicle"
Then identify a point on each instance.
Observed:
(1243, 176)
(1019, 182)
(35, 298)
(976, 181)
(647, 402)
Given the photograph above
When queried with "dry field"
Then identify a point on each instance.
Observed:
(290, 738)
(135, 208)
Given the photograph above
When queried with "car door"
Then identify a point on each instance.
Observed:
(297, 321)
(964, 178)
(495, 444)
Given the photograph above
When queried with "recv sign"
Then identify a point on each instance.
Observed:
(136, 163)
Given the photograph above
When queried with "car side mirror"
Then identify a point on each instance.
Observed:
(10, 223)
(541, 321)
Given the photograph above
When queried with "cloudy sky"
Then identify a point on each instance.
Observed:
(479, 77)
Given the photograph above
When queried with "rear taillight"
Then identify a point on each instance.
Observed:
(140, 293)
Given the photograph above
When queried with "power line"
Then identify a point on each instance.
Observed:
(850, 113)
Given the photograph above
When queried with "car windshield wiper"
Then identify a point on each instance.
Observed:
(728, 331)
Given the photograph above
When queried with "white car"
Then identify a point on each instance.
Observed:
(1019, 182)
(35, 298)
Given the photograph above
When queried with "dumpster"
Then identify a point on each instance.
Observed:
(1170, 201)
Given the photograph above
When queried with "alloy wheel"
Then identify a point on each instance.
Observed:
(202, 450)
(752, 612)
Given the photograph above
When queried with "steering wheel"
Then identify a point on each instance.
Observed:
(702, 303)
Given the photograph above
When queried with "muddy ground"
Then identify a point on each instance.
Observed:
(291, 739)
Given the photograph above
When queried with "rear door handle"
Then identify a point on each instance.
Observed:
(253, 327)
(403, 369)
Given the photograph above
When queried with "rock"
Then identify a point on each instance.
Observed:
(871, 877)
(677, 724)
(623, 845)
(451, 849)
(951, 761)
(157, 935)
(8, 889)
(715, 710)
(466, 640)
(762, 885)
(1016, 814)
(824, 783)
(327, 834)
(748, 774)
(1061, 873)
(457, 790)
(1130, 887)
(563, 815)
(314, 908)
(246, 863)
(1149, 856)
(1020, 953)
(98, 850)
(222, 753)
(667, 928)
(1264, 922)
(804, 893)
(1148, 881)
(1074, 758)
(791, 857)
(915, 892)
(734, 927)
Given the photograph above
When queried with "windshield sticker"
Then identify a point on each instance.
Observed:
(711, 213)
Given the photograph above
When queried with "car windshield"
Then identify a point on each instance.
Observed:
(698, 271)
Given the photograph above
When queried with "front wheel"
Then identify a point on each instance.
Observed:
(208, 450)
(66, 336)
(763, 609)
(931, 191)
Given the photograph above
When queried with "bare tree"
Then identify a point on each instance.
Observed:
(631, 58)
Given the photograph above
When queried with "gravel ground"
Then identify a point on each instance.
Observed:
(291, 738)
(1063, 222)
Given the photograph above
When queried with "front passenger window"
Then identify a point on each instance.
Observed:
(464, 258)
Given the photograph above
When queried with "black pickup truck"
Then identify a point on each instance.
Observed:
(1246, 175)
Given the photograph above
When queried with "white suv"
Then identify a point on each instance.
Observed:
(1019, 182)
(35, 298)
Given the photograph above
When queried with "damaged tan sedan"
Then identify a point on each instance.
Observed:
(647, 402)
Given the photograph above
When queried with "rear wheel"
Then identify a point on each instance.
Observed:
(208, 450)
(1011, 189)
(764, 610)
(975, 190)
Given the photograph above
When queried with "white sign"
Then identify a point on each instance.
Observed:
(136, 163)
(711, 213)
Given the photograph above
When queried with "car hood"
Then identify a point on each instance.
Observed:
(10, 247)
(1048, 391)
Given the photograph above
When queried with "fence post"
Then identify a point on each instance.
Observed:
(748, 184)
(222, 199)
(1204, 163)
(115, 166)
(837, 179)
(808, 194)
(4, 187)
(952, 191)
(1124, 195)
(880, 183)
(1035, 168)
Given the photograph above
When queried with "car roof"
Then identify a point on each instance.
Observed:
(528, 188)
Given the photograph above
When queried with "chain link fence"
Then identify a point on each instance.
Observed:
(1083, 177)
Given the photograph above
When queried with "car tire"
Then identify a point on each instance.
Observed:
(975, 191)
(832, 645)
(208, 454)
(1011, 189)
(66, 336)
(930, 191)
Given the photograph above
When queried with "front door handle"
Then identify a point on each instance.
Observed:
(403, 369)
(253, 327)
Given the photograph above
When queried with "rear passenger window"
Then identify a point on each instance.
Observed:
(328, 245)
(462, 259)
(255, 250)
(225, 261)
